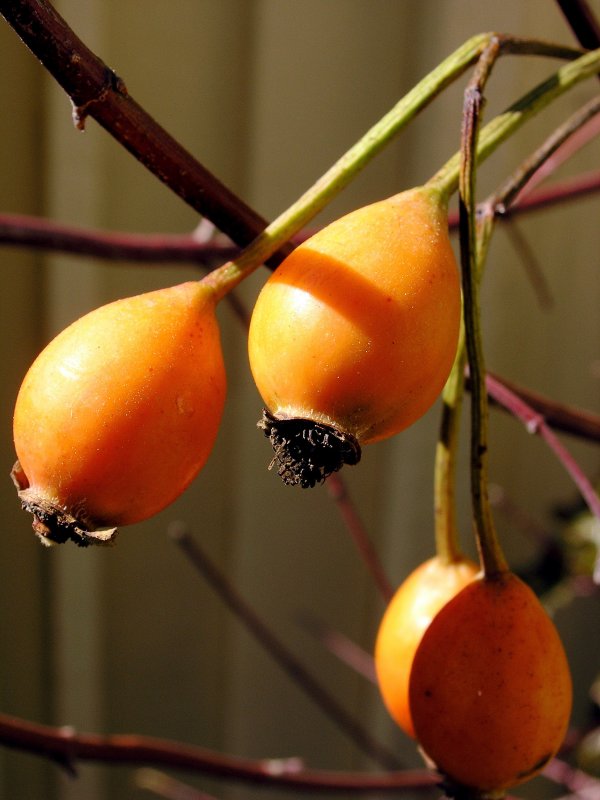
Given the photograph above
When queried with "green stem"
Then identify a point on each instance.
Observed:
(507, 123)
(492, 558)
(446, 529)
(446, 534)
(502, 199)
(226, 277)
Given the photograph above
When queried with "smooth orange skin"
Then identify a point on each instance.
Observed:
(358, 327)
(490, 688)
(120, 411)
(416, 602)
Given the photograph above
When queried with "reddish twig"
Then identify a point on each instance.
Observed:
(345, 650)
(535, 423)
(339, 493)
(561, 191)
(579, 783)
(43, 234)
(587, 133)
(67, 747)
(562, 143)
(96, 91)
(278, 652)
(19, 230)
(561, 417)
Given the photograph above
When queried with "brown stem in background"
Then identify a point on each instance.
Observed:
(340, 646)
(148, 248)
(339, 494)
(559, 192)
(582, 22)
(278, 652)
(509, 190)
(67, 747)
(559, 416)
(20, 230)
(533, 269)
(96, 91)
(535, 423)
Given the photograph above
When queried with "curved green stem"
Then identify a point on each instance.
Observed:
(447, 545)
(446, 529)
(226, 277)
(492, 558)
(504, 125)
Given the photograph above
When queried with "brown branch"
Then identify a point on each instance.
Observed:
(535, 423)
(561, 144)
(20, 230)
(561, 417)
(340, 646)
(42, 234)
(162, 248)
(96, 91)
(559, 192)
(339, 494)
(582, 22)
(68, 747)
(302, 677)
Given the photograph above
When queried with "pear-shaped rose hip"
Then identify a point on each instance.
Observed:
(354, 334)
(490, 688)
(416, 602)
(119, 413)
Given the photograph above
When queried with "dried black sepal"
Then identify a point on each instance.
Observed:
(306, 452)
(53, 524)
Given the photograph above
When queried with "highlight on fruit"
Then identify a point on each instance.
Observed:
(354, 334)
(119, 413)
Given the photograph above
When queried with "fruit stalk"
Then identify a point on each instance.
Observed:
(504, 125)
(229, 275)
(490, 552)
(345, 169)
(446, 528)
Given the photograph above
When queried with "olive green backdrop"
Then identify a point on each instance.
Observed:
(267, 94)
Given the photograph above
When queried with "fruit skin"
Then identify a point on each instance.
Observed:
(358, 327)
(120, 411)
(490, 688)
(416, 602)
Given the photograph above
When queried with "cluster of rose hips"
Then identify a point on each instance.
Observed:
(351, 340)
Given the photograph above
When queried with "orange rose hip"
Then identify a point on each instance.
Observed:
(119, 413)
(416, 602)
(490, 688)
(353, 336)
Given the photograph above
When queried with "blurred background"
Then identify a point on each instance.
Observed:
(267, 94)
